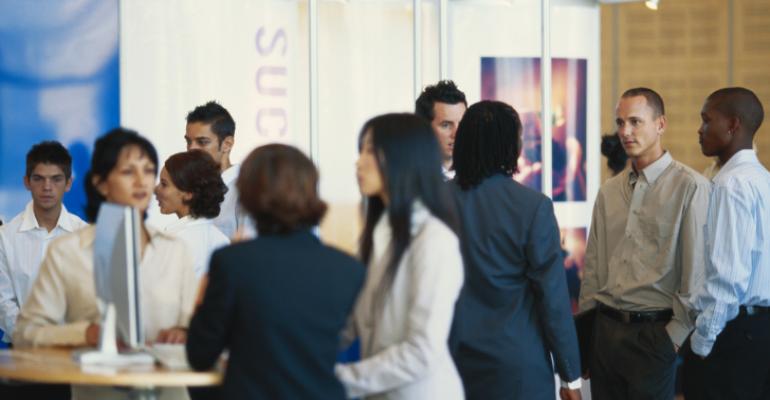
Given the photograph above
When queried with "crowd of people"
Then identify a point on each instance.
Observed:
(458, 289)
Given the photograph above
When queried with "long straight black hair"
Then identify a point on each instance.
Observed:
(409, 159)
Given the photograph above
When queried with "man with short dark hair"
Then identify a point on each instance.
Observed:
(23, 241)
(211, 128)
(729, 350)
(644, 259)
(443, 105)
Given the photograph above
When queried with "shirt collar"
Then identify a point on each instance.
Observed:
(184, 222)
(29, 221)
(653, 171)
(231, 173)
(741, 157)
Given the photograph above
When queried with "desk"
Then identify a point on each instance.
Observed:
(55, 365)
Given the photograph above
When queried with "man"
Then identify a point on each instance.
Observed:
(643, 259)
(729, 350)
(211, 128)
(443, 105)
(513, 315)
(23, 241)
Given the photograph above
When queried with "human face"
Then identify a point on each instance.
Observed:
(47, 184)
(368, 171)
(639, 130)
(446, 118)
(714, 132)
(200, 137)
(131, 181)
(170, 199)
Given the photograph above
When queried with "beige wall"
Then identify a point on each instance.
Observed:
(686, 50)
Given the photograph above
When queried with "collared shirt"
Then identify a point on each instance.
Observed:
(231, 216)
(737, 248)
(201, 238)
(645, 249)
(404, 349)
(449, 174)
(23, 243)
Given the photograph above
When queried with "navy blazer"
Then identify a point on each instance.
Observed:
(278, 303)
(514, 309)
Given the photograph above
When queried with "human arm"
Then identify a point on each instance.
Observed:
(729, 239)
(43, 318)
(691, 251)
(589, 285)
(210, 325)
(435, 275)
(9, 303)
(545, 272)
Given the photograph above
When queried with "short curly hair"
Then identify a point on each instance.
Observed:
(196, 172)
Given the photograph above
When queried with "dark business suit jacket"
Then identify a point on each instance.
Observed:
(278, 303)
(514, 309)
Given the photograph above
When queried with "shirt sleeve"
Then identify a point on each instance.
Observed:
(9, 304)
(436, 274)
(189, 287)
(692, 261)
(589, 285)
(729, 234)
(42, 318)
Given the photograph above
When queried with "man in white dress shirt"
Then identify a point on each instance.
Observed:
(730, 347)
(211, 128)
(23, 241)
(443, 105)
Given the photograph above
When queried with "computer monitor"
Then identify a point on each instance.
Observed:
(116, 268)
(116, 277)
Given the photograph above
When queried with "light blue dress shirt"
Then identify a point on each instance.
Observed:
(737, 248)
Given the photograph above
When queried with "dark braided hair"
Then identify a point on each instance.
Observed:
(488, 142)
(616, 155)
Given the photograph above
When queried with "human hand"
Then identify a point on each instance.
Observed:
(175, 335)
(92, 334)
(569, 394)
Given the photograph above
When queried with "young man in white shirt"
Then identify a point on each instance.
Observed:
(443, 105)
(24, 239)
(728, 353)
(211, 128)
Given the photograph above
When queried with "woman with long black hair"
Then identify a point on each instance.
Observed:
(404, 313)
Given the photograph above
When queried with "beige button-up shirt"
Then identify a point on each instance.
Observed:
(646, 247)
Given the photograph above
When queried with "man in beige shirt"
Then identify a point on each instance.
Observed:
(644, 259)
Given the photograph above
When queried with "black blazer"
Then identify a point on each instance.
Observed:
(514, 308)
(278, 303)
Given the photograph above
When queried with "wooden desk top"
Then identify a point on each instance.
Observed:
(55, 365)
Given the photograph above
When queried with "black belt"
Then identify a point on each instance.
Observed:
(753, 310)
(636, 316)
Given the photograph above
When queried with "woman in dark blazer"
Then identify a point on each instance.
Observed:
(277, 302)
(513, 312)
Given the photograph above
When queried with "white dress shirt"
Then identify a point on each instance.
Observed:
(737, 248)
(404, 336)
(201, 238)
(23, 243)
(231, 216)
(63, 300)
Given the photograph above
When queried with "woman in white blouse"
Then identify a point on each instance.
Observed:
(62, 306)
(192, 188)
(404, 313)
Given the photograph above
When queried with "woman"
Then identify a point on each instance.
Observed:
(415, 272)
(514, 311)
(277, 302)
(192, 188)
(123, 170)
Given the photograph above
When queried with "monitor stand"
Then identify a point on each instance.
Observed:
(107, 354)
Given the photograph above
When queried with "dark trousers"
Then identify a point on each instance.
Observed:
(738, 366)
(634, 361)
